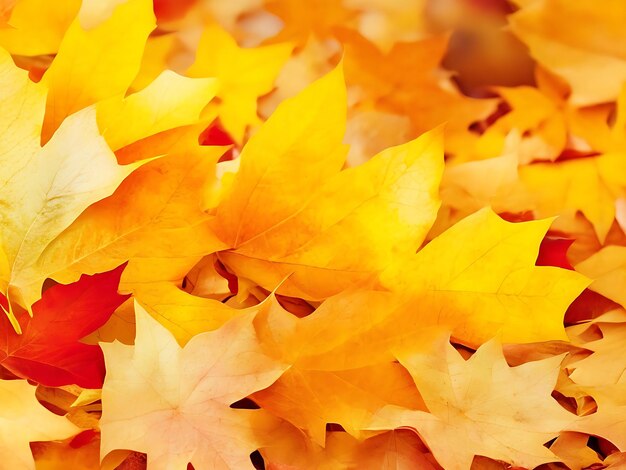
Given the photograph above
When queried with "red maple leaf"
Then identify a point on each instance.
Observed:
(49, 350)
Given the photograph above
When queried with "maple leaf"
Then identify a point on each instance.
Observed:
(343, 333)
(81, 406)
(600, 128)
(482, 404)
(479, 278)
(168, 102)
(245, 74)
(306, 65)
(556, 188)
(158, 398)
(421, 91)
(45, 188)
(343, 397)
(154, 220)
(289, 210)
(96, 62)
(515, 300)
(575, 40)
(48, 351)
(25, 420)
(540, 115)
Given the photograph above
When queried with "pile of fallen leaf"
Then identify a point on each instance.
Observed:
(325, 234)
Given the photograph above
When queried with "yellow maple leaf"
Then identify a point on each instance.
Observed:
(479, 278)
(540, 115)
(290, 211)
(105, 236)
(46, 187)
(244, 75)
(153, 221)
(170, 101)
(600, 128)
(96, 63)
(181, 407)
(482, 405)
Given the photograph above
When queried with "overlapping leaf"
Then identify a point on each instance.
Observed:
(289, 211)
(48, 350)
(291, 272)
(45, 188)
(487, 407)
(181, 410)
